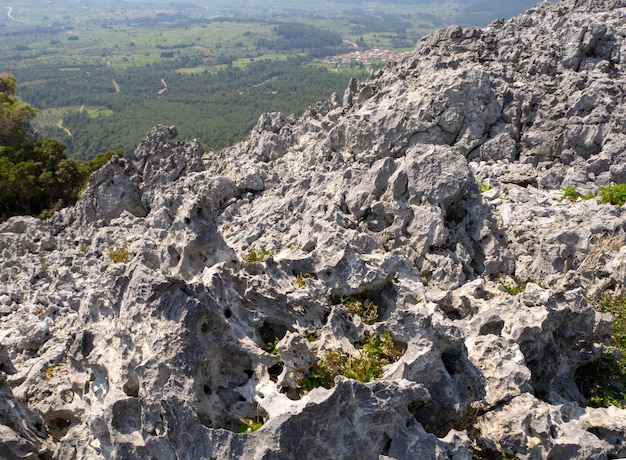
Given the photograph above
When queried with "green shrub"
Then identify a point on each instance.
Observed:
(36, 177)
(374, 354)
(362, 306)
(570, 193)
(613, 194)
(514, 286)
(254, 255)
(119, 254)
(300, 280)
(603, 382)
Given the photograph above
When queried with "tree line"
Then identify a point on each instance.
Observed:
(36, 176)
(216, 108)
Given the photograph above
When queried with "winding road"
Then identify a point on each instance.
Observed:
(9, 11)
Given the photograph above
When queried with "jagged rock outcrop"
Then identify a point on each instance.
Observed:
(189, 293)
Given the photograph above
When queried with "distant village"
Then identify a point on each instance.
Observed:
(366, 57)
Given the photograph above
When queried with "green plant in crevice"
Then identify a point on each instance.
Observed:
(119, 254)
(256, 255)
(612, 194)
(272, 346)
(362, 306)
(513, 287)
(248, 425)
(570, 193)
(603, 382)
(375, 353)
(300, 279)
(587, 196)
(483, 187)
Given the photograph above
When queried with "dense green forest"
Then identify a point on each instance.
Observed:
(216, 108)
(35, 175)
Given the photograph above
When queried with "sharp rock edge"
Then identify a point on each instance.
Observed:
(133, 329)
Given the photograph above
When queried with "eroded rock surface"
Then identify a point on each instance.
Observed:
(188, 293)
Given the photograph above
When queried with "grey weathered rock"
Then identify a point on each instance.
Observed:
(188, 293)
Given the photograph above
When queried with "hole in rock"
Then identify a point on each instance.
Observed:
(228, 313)
(494, 326)
(271, 333)
(174, 256)
(59, 427)
(87, 343)
(386, 447)
(207, 390)
(291, 393)
(371, 305)
(58, 423)
(450, 312)
(126, 416)
(455, 213)
(275, 370)
(453, 361)
(131, 387)
(541, 370)
(207, 422)
(249, 373)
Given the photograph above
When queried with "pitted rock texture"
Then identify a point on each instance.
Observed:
(187, 294)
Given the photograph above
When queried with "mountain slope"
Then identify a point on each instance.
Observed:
(192, 294)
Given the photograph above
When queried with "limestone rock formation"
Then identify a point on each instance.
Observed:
(188, 305)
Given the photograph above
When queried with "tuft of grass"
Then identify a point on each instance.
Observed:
(587, 196)
(603, 382)
(612, 194)
(374, 354)
(119, 254)
(256, 255)
(515, 287)
(300, 280)
(362, 306)
(483, 187)
(570, 193)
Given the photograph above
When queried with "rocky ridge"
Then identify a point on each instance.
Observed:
(189, 292)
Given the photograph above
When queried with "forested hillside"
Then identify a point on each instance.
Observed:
(216, 108)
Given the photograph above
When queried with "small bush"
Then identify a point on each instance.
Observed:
(570, 193)
(300, 280)
(119, 255)
(254, 255)
(612, 194)
(603, 382)
(362, 306)
(271, 346)
(375, 353)
(514, 286)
